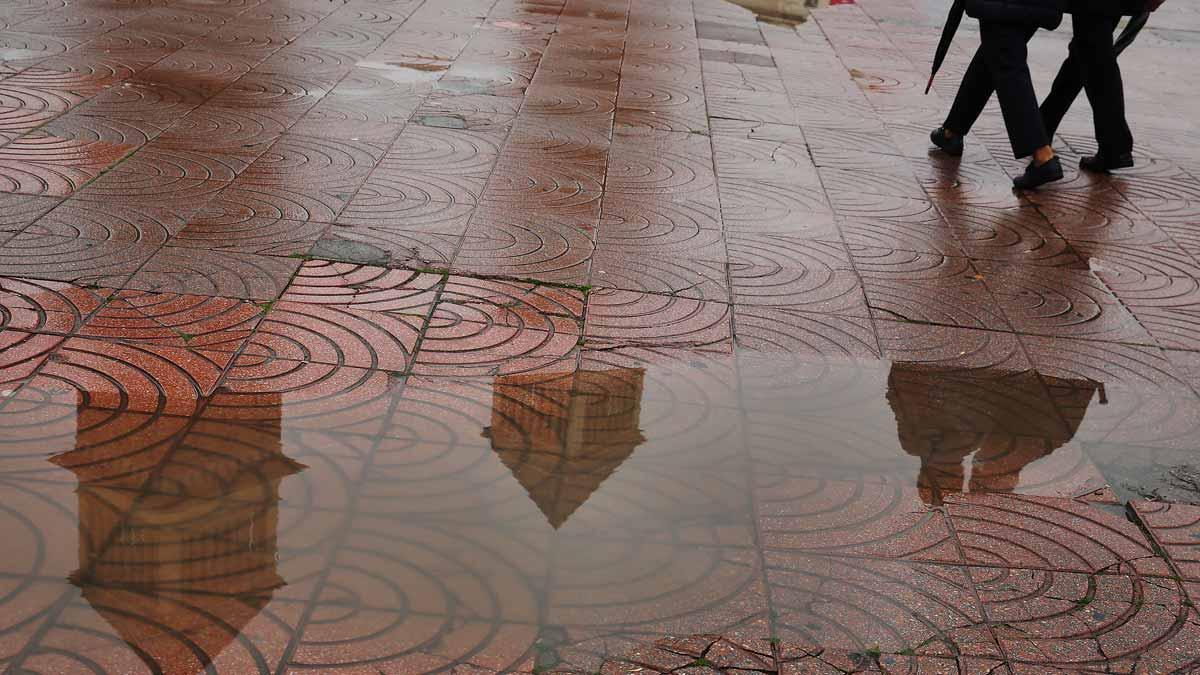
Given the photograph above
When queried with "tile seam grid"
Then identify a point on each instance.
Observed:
(133, 75)
(745, 305)
(295, 639)
(760, 557)
(32, 646)
(216, 93)
(446, 272)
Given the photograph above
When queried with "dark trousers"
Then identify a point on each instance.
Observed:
(1091, 66)
(1002, 66)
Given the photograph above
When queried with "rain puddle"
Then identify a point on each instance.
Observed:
(405, 72)
(546, 513)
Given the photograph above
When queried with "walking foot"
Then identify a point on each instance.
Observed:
(1037, 175)
(1099, 163)
(950, 146)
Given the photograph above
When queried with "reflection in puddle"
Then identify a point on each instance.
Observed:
(459, 517)
(785, 12)
(182, 565)
(414, 72)
(973, 438)
(562, 460)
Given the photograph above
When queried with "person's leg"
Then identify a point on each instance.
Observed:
(972, 97)
(1102, 82)
(1006, 54)
(1068, 84)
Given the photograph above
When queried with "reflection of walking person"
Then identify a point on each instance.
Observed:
(1001, 65)
(978, 432)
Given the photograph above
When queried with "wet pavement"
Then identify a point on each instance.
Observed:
(582, 335)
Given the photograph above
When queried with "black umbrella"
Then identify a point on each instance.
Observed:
(1136, 24)
(952, 22)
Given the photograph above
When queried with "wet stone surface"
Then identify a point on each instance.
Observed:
(589, 336)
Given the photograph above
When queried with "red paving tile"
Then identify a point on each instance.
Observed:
(579, 336)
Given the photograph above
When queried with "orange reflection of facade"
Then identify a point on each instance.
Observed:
(563, 438)
(976, 431)
(179, 567)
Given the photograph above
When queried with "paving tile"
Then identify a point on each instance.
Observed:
(1061, 303)
(1120, 393)
(452, 346)
(1071, 620)
(772, 330)
(80, 261)
(373, 289)
(633, 318)
(216, 230)
(24, 354)
(339, 336)
(216, 165)
(387, 248)
(861, 605)
(927, 288)
(1018, 235)
(1058, 535)
(102, 220)
(46, 306)
(310, 396)
(552, 245)
(1098, 216)
(139, 378)
(159, 196)
(1173, 528)
(447, 165)
(865, 205)
(172, 320)
(669, 166)
(378, 207)
(663, 274)
(811, 286)
(21, 210)
(228, 131)
(509, 303)
(932, 237)
(205, 272)
(833, 518)
(635, 214)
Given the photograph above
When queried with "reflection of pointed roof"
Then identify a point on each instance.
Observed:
(171, 630)
(560, 443)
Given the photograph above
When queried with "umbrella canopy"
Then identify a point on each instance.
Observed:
(952, 23)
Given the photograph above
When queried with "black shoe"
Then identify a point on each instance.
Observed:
(950, 146)
(1036, 176)
(1099, 163)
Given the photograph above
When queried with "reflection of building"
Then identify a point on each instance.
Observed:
(976, 431)
(181, 564)
(562, 439)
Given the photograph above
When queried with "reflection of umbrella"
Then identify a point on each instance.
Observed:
(952, 22)
(1136, 24)
(996, 421)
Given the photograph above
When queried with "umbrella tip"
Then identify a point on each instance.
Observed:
(929, 85)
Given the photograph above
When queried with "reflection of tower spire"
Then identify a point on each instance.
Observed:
(562, 439)
(183, 558)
